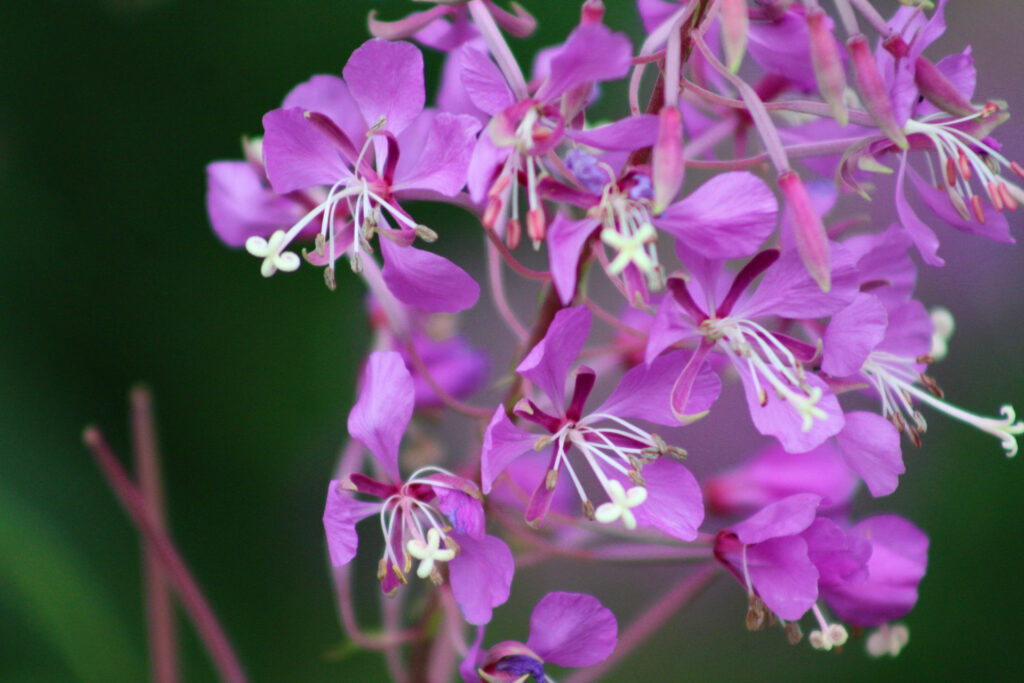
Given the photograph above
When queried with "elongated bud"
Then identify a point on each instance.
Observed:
(735, 24)
(808, 230)
(668, 171)
(828, 65)
(939, 90)
(592, 12)
(872, 90)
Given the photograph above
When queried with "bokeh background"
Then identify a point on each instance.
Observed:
(110, 275)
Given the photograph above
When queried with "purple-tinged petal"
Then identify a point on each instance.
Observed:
(852, 334)
(241, 205)
(644, 391)
(633, 132)
(786, 517)
(382, 413)
(464, 511)
(386, 81)
(782, 47)
(592, 53)
(473, 659)
(680, 401)
(483, 165)
(838, 556)
(670, 325)
(779, 419)
(548, 363)
(783, 575)
(297, 155)
(572, 629)
(482, 80)
(674, 503)
(329, 96)
(443, 161)
(789, 291)
(995, 227)
(340, 516)
(882, 258)
(712, 223)
(426, 280)
(503, 443)
(480, 576)
(925, 240)
(445, 35)
(910, 330)
(899, 558)
(654, 12)
(871, 446)
(774, 474)
(460, 369)
(566, 238)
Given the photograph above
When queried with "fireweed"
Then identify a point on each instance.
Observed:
(741, 283)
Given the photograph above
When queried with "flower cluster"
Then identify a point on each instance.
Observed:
(741, 283)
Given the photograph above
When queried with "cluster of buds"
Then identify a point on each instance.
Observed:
(743, 282)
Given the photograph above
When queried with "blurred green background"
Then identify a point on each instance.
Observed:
(111, 275)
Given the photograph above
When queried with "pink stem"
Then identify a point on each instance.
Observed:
(446, 398)
(650, 621)
(163, 648)
(342, 583)
(177, 572)
(498, 294)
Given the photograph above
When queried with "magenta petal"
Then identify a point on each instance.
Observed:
(443, 161)
(783, 47)
(674, 502)
(472, 660)
(426, 280)
(788, 290)
(480, 576)
(670, 325)
(712, 223)
(591, 53)
(644, 391)
(241, 205)
(483, 165)
(633, 132)
(871, 446)
(783, 575)
(329, 95)
(995, 227)
(779, 419)
(925, 240)
(297, 155)
(340, 516)
(384, 408)
(774, 474)
(572, 629)
(503, 443)
(465, 512)
(899, 558)
(784, 518)
(910, 329)
(566, 238)
(386, 81)
(838, 556)
(548, 363)
(482, 80)
(852, 334)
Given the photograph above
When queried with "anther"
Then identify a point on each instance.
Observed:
(329, 279)
(425, 233)
(588, 510)
(793, 633)
(551, 480)
(757, 613)
(932, 386)
(977, 208)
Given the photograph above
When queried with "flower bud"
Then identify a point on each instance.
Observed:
(872, 90)
(938, 89)
(668, 172)
(808, 230)
(828, 65)
(735, 25)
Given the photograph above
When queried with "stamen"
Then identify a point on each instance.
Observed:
(830, 635)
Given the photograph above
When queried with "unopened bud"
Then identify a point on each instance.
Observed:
(735, 26)
(808, 230)
(828, 65)
(873, 92)
(939, 90)
(592, 12)
(667, 160)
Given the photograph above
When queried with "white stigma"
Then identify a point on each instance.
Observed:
(887, 640)
(620, 504)
(627, 229)
(428, 553)
(273, 254)
(944, 326)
